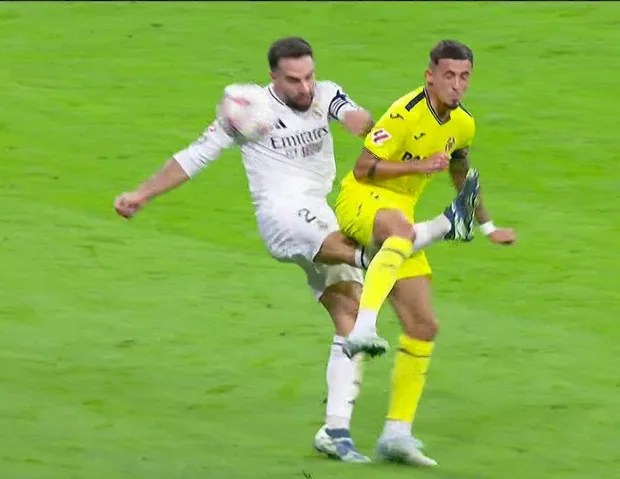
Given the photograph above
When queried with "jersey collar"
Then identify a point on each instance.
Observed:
(432, 110)
(273, 94)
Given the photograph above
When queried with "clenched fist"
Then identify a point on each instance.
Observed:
(128, 204)
(432, 164)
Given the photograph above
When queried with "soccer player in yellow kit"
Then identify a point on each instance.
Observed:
(424, 132)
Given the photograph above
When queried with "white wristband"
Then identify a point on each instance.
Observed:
(487, 228)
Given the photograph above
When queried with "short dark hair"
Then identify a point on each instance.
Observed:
(290, 47)
(452, 50)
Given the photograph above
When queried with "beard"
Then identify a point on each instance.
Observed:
(293, 105)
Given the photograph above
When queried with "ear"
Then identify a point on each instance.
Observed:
(272, 75)
(428, 75)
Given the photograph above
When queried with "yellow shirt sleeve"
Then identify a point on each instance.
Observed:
(466, 138)
(388, 137)
(470, 132)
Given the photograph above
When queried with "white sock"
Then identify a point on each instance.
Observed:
(396, 428)
(359, 257)
(365, 323)
(343, 376)
(429, 232)
(363, 256)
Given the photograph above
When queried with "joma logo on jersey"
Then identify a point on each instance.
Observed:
(380, 136)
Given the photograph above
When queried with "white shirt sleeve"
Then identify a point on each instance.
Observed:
(340, 102)
(204, 150)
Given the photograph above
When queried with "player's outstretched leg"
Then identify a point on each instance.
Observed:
(399, 240)
(395, 233)
(462, 210)
(456, 223)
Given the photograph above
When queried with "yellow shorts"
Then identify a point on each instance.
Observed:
(356, 207)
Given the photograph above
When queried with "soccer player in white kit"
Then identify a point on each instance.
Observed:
(290, 173)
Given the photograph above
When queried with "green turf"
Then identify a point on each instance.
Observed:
(172, 346)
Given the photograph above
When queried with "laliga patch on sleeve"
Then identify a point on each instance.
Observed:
(380, 136)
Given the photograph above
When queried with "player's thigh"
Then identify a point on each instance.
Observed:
(357, 208)
(321, 277)
(341, 300)
(295, 232)
(354, 220)
(414, 266)
(296, 228)
(391, 222)
(412, 301)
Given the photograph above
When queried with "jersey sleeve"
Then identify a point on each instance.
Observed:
(206, 149)
(465, 140)
(339, 102)
(389, 135)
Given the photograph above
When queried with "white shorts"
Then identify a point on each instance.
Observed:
(293, 231)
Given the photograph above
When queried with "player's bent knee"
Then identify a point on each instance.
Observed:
(336, 249)
(390, 223)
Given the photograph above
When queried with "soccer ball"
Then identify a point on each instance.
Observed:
(245, 112)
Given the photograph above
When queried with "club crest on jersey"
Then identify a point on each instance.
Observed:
(316, 110)
(380, 136)
(450, 143)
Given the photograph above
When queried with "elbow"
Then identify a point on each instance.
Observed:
(365, 166)
(360, 171)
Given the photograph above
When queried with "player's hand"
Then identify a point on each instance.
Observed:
(128, 204)
(505, 236)
(432, 164)
(357, 122)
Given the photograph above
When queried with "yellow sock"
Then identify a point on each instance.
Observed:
(381, 274)
(409, 377)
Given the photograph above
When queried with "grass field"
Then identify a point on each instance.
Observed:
(172, 346)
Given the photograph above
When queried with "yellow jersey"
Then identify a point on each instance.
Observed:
(411, 130)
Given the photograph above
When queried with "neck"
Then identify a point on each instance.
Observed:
(277, 93)
(443, 112)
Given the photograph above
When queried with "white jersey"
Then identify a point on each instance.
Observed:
(296, 158)
(290, 172)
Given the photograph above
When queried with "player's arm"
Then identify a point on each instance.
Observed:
(369, 166)
(170, 176)
(176, 171)
(459, 166)
(358, 122)
(355, 119)
(386, 141)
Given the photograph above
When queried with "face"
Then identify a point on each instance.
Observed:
(294, 82)
(449, 80)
